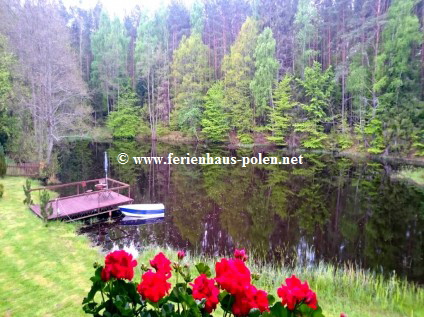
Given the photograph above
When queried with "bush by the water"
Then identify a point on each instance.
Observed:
(232, 288)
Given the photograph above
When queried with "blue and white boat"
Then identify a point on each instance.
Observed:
(145, 211)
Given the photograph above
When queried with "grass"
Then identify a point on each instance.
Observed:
(45, 271)
(413, 175)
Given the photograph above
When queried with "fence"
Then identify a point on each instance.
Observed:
(23, 169)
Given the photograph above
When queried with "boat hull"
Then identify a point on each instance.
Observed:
(145, 211)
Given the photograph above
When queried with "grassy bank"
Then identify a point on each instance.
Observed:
(412, 175)
(45, 271)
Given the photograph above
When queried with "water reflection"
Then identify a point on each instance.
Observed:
(331, 209)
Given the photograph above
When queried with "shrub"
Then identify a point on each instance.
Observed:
(1, 190)
(27, 192)
(245, 138)
(232, 288)
(46, 210)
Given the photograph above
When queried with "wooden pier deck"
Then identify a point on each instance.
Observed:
(87, 201)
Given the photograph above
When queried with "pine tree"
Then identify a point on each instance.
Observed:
(192, 77)
(238, 68)
(281, 114)
(265, 74)
(305, 23)
(318, 87)
(397, 77)
(214, 119)
(109, 47)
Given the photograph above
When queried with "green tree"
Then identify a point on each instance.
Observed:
(192, 79)
(305, 24)
(125, 121)
(214, 118)
(108, 68)
(282, 116)
(318, 87)
(238, 68)
(7, 121)
(397, 83)
(266, 67)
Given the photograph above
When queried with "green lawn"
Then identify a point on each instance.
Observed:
(45, 271)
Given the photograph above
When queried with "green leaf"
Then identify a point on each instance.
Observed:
(271, 299)
(227, 302)
(203, 268)
(278, 310)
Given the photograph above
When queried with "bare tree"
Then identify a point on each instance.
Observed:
(57, 94)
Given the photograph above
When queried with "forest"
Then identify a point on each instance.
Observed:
(315, 74)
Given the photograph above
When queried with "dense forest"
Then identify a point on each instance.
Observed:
(318, 74)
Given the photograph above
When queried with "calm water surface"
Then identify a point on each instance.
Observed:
(332, 209)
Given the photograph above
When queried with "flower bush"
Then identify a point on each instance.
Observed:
(114, 293)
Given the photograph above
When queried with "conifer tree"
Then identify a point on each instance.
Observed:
(238, 68)
(265, 74)
(281, 113)
(192, 76)
(214, 119)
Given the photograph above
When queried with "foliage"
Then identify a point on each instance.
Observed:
(238, 69)
(375, 131)
(1, 190)
(27, 192)
(318, 87)
(266, 68)
(232, 288)
(282, 117)
(125, 121)
(46, 209)
(109, 45)
(397, 72)
(192, 74)
(214, 119)
(245, 138)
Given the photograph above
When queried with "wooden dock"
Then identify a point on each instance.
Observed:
(88, 198)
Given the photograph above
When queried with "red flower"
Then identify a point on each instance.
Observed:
(153, 286)
(181, 254)
(294, 292)
(232, 275)
(240, 254)
(118, 264)
(162, 264)
(343, 315)
(248, 299)
(205, 288)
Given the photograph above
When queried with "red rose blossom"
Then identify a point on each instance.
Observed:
(248, 299)
(240, 254)
(295, 292)
(232, 275)
(162, 264)
(154, 286)
(181, 254)
(205, 288)
(118, 264)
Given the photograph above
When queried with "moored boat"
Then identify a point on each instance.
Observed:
(144, 211)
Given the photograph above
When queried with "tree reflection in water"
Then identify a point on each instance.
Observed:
(333, 209)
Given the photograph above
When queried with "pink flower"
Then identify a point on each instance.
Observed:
(240, 254)
(181, 254)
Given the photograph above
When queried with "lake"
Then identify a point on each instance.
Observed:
(333, 209)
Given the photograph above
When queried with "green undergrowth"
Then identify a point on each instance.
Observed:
(412, 175)
(45, 271)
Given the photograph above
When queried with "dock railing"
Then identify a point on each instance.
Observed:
(86, 188)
